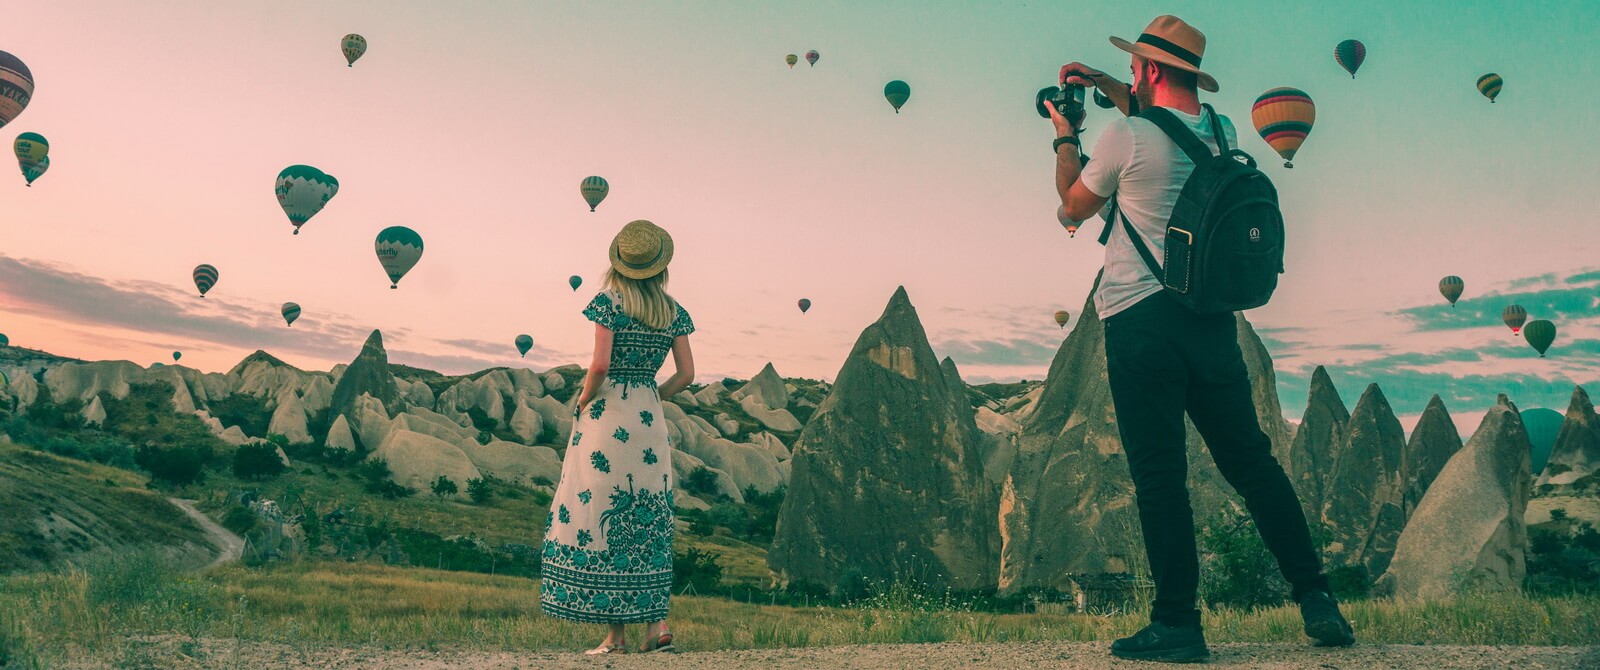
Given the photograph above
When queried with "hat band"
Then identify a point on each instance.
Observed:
(1183, 54)
(644, 265)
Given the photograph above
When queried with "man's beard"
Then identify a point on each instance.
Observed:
(1145, 95)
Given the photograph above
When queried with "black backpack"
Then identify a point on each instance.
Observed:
(1224, 247)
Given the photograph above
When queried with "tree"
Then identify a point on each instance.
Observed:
(478, 489)
(701, 482)
(257, 461)
(443, 486)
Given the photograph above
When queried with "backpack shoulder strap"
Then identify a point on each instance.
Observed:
(1216, 129)
(1181, 134)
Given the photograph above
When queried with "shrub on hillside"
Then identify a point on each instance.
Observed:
(698, 569)
(257, 461)
(478, 489)
(46, 413)
(375, 475)
(1236, 568)
(239, 519)
(182, 464)
(702, 483)
(250, 413)
(443, 486)
(146, 417)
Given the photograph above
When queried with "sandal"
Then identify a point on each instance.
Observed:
(605, 649)
(663, 642)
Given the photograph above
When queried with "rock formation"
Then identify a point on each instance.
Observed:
(887, 477)
(766, 387)
(367, 374)
(1468, 532)
(339, 435)
(1309, 458)
(416, 460)
(1575, 459)
(1067, 505)
(95, 413)
(1432, 443)
(1363, 510)
(289, 419)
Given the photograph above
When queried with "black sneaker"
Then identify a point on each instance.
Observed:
(1160, 642)
(1324, 623)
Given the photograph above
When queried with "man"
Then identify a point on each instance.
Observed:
(1164, 359)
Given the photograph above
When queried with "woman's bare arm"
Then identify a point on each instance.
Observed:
(683, 360)
(598, 366)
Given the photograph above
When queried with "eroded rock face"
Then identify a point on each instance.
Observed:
(887, 478)
(1575, 460)
(1468, 532)
(340, 436)
(1364, 503)
(1067, 504)
(766, 387)
(416, 460)
(289, 419)
(1432, 443)
(367, 374)
(1309, 458)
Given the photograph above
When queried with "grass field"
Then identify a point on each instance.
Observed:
(107, 610)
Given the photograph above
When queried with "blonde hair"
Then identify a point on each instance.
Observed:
(644, 300)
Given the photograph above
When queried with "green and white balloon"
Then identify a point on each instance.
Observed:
(399, 249)
(303, 191)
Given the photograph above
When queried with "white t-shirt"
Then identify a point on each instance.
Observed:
(1145, 170)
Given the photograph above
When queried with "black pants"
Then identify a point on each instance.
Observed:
(1163, 360)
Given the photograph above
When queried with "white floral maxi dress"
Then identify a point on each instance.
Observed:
(608, 540)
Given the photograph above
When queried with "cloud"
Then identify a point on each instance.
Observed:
(1002, 352)
(1553, 299)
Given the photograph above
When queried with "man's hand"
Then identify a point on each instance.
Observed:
(1063, 127)
(1081, 75)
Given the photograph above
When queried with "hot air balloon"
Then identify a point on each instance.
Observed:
(1450, 287)
(33, 155)
(1066, 221)
(1349, 55)
(524, 343)
(897, 92)
(791, 59)
(813, 56)
(291, 311)
(176, 355)
(398, 248)
(16, 87)
(1489, 85)
(4, 341)
(594, 190)
(805, 305)
(353, 46)
(1062, 317)
(1514, 316)
(302, 191)
(205, 277)
(1539, 334)
(575, 281)
(1284, 117)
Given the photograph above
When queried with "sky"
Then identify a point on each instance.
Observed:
(474, 122)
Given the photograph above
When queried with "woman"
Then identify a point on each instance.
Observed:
(608, 541)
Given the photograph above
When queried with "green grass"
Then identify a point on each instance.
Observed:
(100, 611)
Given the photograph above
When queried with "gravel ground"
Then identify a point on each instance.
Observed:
(1088, 656)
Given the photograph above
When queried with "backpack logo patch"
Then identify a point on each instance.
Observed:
(1255, 234)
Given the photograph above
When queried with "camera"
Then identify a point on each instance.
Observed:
(1067, 99)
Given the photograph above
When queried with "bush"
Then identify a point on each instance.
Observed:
(1236, 568)
(239, 519)
(250, 413)
(481, 421)
(697, 568)
(177, 465)
(443, 486)
(48, 414)
(257, 461)
(375, 474)
(478, 489)
(701, 482)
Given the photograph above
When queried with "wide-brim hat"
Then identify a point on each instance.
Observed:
(1171, 41)
(641, 250)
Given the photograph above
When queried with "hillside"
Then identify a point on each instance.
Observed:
(60, 510)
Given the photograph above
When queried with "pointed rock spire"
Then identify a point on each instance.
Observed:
(1432, 443)
(1364, 508)
(368, 373)
(1574, 465)
(1309, 457)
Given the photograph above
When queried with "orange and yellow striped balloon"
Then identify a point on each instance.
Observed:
(1284, 117)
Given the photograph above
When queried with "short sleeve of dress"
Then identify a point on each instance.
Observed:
(681, 324)
(605, 311)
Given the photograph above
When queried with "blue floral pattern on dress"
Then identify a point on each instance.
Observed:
(650, 456)
(584, 496)
(646, 418)
(597, 408)
(630, 580)
(564, 515)
(600, 462)
(621, 435)
(584, 538)
(637, 350)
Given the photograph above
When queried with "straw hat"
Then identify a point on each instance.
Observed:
(1170, 41)
(641, 250)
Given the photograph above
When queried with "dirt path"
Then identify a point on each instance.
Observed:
(1087, 656)
(232, 546)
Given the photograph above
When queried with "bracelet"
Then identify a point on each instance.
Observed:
(1070, 139)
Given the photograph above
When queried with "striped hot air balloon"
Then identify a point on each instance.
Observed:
(1349, 54)
(16, 87)
(813, 56)
(1540, 335)
(524, 343)
(33, 155)
(399, 248)
(291, 311)
(1489, 85)
(1284, 117)
(805, 305)
(353, 46)
(594, 190)
(302, 192)
(1514, 316)
(1451, 287)
(897, 93)
(1062, 317)
(791, 59)
(205, 277)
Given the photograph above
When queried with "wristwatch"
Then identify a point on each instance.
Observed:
(1055, 146)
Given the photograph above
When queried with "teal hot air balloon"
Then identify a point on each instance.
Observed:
(353, 46)
(1543, 425)
(16, 87)
(1490, 85)
(1540, 335)
(575, 281)
(176, 355)
(524, 343)
(303, 191)
(4, 341)
(897, 92)
(291, 311)
(33, 155)
(205, 277)
(805, 305)
(1350, 54)
(1451, 287)
(398, 248)
(594, 190)
(36, 170)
